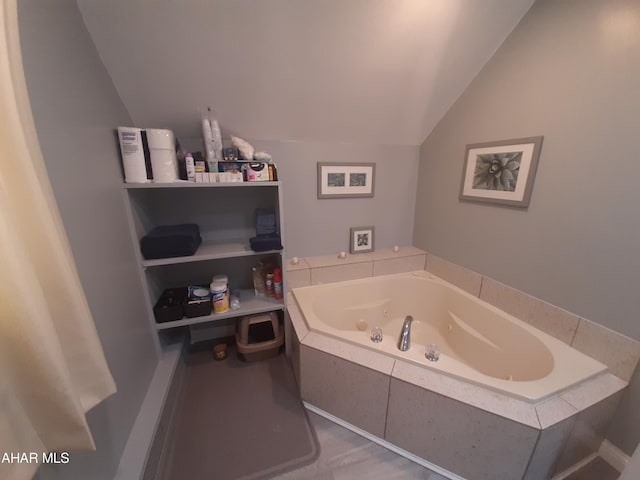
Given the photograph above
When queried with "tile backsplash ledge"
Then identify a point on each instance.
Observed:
(618, 352)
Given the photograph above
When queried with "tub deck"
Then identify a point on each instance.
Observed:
(478, 343)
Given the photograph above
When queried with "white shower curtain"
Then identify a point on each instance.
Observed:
(52, 367)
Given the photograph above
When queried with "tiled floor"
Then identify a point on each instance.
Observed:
(345, 455)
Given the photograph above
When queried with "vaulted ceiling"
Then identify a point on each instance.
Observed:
(373, 71)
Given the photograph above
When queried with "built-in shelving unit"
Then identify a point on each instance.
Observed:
(225, 213)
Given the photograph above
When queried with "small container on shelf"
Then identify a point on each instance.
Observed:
(198, 302)
(220, 296)
(268, 285)
(170, 305)
(258, 281)
(277, 284)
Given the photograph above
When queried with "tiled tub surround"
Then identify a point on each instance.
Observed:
(465, 428)
(478, 342)
(619, 353)
(330, 268)
(469, 430)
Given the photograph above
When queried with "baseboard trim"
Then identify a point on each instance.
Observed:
(575, 467)
(614, 456)
(384, 443)
(136, 451)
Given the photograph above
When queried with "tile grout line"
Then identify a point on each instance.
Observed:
(573, 337)
(386, 413)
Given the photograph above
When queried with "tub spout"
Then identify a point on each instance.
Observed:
(403, 341)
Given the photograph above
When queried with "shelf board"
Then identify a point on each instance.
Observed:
(135, 186)
(211, 251)
(249, 304)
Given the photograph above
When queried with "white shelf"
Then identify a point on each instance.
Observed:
(211, 251)
(249, 304)
(135, 186)
(225, 213)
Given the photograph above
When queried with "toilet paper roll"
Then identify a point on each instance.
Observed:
(135, 170)
(163, 155)
(165, 166)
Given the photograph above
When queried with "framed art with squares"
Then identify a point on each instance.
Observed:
(361, 239)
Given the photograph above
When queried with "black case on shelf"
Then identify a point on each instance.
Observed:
(170, 305)
(171, 241)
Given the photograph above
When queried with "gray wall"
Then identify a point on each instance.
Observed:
(321, 227)
(316, 227)
(569, 71)
(76, 107)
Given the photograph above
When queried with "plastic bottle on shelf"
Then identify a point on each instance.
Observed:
(277, 284)
(220, 296)
(268, 285)
(258, 281)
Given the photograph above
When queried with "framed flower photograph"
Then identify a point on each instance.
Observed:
(361, 239)
(345, 180)
(501, 172)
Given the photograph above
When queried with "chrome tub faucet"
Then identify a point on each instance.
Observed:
(405, 333)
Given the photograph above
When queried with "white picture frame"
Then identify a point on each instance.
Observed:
(346, 180)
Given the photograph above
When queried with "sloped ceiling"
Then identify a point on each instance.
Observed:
(373, 71)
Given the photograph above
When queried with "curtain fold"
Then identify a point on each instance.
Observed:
(52, 366)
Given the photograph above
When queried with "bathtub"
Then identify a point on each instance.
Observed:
(476, 342)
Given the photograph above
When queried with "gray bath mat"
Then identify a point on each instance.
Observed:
(240, 421)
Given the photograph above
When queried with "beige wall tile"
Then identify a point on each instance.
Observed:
(298, 278)
(461, 277)
(387, 253)
(333, 260)
(464, 440)
(553, 411)
(351, 392)
(548, 449)
(390, 266)
(588, 432)
(616, 351)
(295, 315)
(589, 393)
(295, 356)
(544, 316)
(468, 393)
(289, 266)
(341, 273)
(370, 359)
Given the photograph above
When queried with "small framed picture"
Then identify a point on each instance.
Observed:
(361, 240)
(344, 180)
(501, 172)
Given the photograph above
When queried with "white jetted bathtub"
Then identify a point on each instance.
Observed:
(476, 341)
